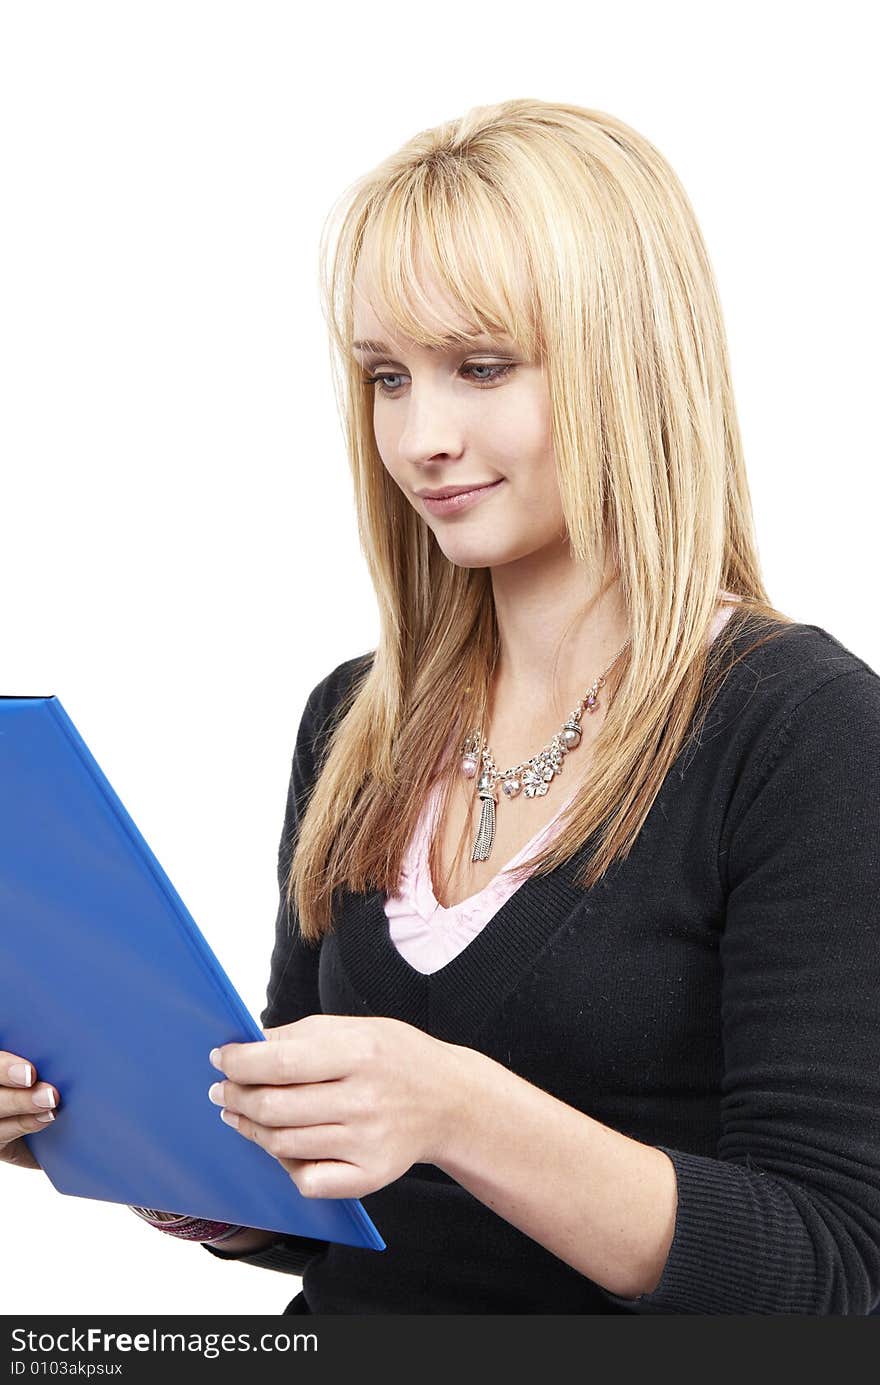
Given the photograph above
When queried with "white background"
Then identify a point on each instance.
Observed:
(178, 550)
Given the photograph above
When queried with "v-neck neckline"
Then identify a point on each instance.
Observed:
(444, 910)
(458, 997)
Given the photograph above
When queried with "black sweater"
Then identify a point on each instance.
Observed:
(716, 995)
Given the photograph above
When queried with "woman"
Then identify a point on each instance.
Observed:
(610, 1044)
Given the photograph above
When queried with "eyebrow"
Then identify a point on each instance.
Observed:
(378, 346)
(382, 349)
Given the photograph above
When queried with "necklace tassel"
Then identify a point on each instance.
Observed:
(486, 830)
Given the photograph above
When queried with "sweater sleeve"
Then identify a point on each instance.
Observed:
(292, 991)
(786, 1218)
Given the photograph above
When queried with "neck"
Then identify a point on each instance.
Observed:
(557, 632)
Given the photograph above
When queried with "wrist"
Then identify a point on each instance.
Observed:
(461, 1077)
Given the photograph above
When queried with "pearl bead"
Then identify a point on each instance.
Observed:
(469, 766)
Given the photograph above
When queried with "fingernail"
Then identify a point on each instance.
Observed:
(22, 1073)
(214, 1057)
(215, 1093)
(48, 1116)
(44, 1097)
(229, 1117)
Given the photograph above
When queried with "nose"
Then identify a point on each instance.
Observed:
(432, 427)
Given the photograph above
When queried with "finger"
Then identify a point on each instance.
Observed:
(15, 1101)
(13, 1127)
(19, 1086)
(329, 1178)
(299, 1057)
(16, 1071)
(294, 1142)
(311, 1103)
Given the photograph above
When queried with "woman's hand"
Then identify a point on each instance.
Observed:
(346, 1104)
(20, 1110)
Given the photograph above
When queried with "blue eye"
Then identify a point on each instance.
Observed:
(497, 373)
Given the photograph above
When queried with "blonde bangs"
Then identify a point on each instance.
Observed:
(444, 261)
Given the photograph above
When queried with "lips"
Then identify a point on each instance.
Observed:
(459, 499)
(449, 491)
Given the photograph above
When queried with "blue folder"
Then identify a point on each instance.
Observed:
(108, 986)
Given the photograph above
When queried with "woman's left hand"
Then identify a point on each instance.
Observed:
(345, 1103)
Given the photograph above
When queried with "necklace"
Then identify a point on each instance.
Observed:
(533, 776)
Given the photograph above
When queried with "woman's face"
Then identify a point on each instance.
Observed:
(475, 416)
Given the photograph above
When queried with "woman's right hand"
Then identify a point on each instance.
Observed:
(19, 1112)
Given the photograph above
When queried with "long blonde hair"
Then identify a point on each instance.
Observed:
(567, 230)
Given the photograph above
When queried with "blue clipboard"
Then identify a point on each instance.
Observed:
(108, 986)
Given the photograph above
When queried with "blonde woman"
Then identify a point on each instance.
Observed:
(576, 978)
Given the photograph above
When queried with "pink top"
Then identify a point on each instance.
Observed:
(428, 935)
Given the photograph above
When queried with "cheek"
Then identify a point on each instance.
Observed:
(518, 429)
(386, 436)
(386, 449)
(528, 462)
(535, 481)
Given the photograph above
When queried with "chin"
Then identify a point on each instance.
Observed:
(465, 560)
(476, 554)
